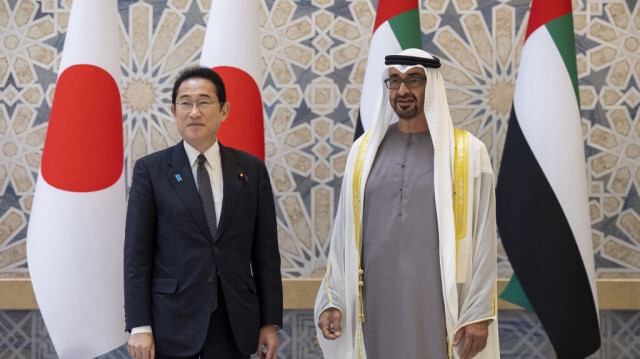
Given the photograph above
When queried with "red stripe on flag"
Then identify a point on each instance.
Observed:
(544, 11)
(390, 8)
(83, 151)
(244, 127)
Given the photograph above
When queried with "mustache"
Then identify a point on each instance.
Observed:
(405, 97)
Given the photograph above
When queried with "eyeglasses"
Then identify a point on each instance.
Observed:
(201, 105)
(394, 83)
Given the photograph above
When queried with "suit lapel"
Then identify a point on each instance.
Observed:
(231, 187)
(182, 181)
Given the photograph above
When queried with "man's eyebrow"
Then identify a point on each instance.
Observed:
(199, 95)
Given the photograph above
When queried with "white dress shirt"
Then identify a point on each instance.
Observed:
(214, 168)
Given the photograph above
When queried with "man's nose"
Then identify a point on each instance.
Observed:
(195, 110)
(403, 88)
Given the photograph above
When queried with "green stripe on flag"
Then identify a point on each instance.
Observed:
(514, 293)
(561, 30)
(406, 28)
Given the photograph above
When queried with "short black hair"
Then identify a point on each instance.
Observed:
(200, 72)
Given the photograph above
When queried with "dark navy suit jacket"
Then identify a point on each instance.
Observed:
(171, 258)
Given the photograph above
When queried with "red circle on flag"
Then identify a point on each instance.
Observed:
(244, 127)
(83, 150)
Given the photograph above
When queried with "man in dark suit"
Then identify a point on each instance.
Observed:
(201, 259)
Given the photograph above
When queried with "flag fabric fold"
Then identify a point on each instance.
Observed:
(396, 28)
(76, 229)
(232, 49)
(541, 196)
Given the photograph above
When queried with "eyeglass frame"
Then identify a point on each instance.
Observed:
(198, 104)
(404, 80)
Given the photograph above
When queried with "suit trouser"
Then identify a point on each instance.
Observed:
(219, 343)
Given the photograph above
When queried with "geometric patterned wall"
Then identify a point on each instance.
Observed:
(314, 56)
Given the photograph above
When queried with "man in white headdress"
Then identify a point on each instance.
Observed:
(411, 271)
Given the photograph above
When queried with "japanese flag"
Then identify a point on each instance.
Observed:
(76, 230)
(232, 49)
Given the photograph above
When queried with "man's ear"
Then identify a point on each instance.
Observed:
(224, 110)
(173, 110)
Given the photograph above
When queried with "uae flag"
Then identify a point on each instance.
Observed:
(76, 229)
(541, 197)
(232, 49)
(397, 27)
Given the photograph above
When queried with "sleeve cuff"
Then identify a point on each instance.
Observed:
(143, 329)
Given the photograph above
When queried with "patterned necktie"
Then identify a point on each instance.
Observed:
(206, 196)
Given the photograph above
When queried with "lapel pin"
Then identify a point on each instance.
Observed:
(178, 177)
(243, 177)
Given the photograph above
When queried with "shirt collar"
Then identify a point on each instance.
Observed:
(212, 153)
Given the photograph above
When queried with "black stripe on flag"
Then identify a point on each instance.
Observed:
(543, 251)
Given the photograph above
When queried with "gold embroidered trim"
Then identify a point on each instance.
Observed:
(327, 284)
(357, 178)
(460, 185)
